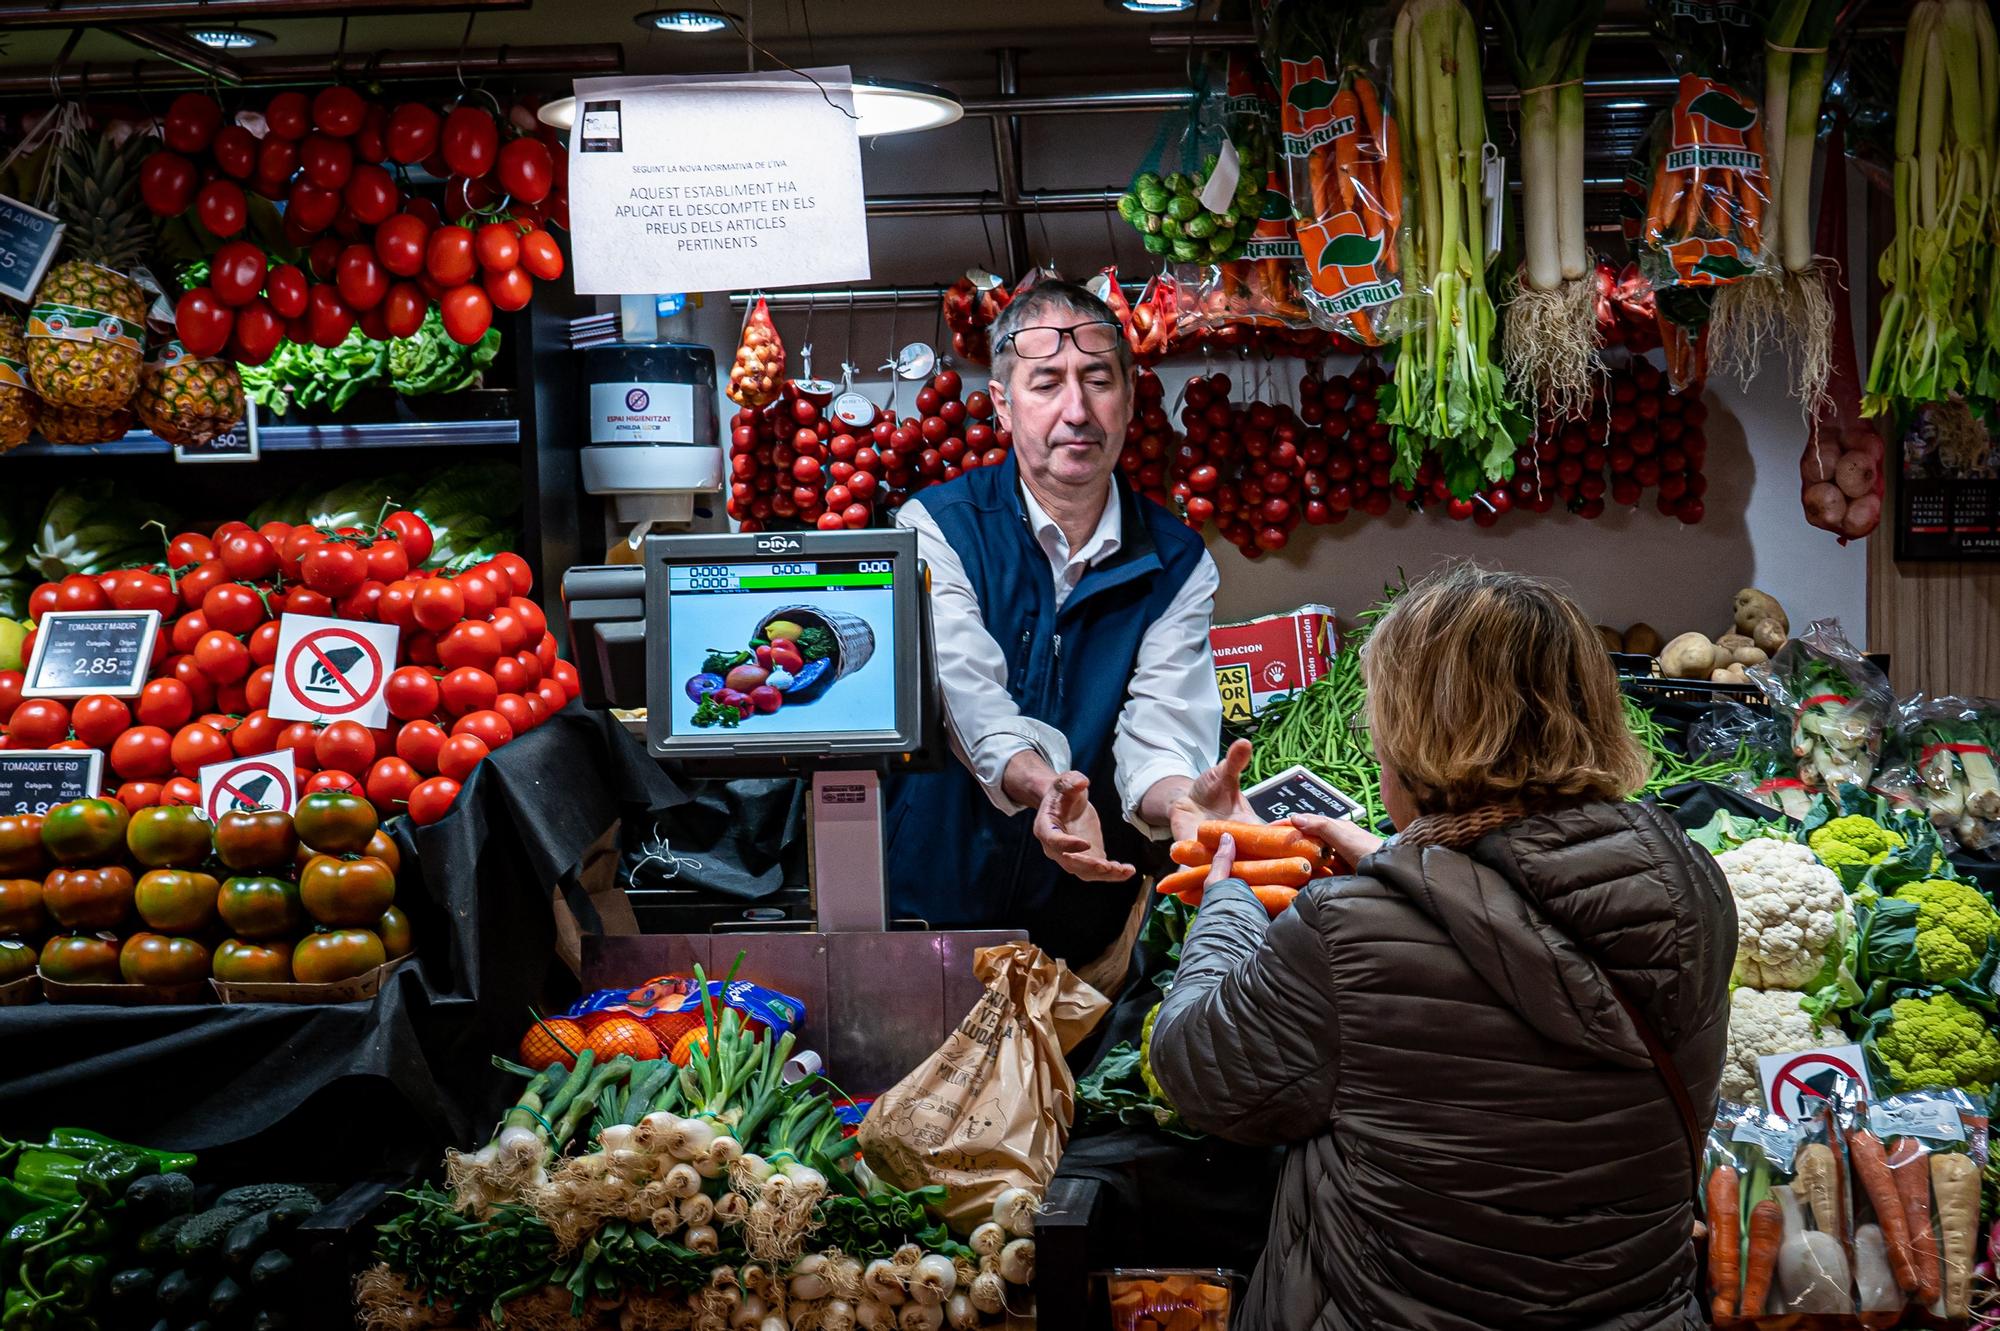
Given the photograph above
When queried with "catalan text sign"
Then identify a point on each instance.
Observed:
(81, 652)
(36, 780)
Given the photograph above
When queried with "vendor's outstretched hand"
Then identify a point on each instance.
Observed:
(1066, 825)
(1345, 838)
(1216, 793)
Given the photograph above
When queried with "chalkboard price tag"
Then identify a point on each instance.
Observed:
(28, 240)
(237, 445)
(1296, 790)
(36, 780)
(81, 652)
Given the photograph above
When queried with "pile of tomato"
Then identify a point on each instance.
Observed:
(476, 664)
(363, 246)
(91, 893)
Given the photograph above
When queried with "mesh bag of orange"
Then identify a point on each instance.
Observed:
(758, 374)
(667, 1009)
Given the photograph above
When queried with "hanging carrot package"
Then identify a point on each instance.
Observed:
(1260, 284)
(758, 375)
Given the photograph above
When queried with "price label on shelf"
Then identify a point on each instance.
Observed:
(237, 445)
(81, 652)
(36, 780)
(28, 240)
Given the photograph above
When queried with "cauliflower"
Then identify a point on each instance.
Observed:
(1955, 927)
(1936, 1042)
(1854, 840)
(1791, 912)
(1767, 1021)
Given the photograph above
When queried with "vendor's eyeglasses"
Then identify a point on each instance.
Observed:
(1042, 341)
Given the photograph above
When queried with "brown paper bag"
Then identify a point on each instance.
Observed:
(992, 1108)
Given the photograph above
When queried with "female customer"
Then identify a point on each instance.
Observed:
(1490, 1047)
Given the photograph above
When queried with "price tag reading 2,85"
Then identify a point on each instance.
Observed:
(81, 652)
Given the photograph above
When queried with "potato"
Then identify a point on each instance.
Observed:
(1862, 516)
(1749, 656)
(1825, 505)
(1733, 643)
(1769, 634)
(1856, 475)
(1816, 464)
(1644, 640)
(1610, 637)
(1753, 605)
(1729, 674)
(1690, 656)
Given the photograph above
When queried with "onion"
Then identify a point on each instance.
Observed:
(748, 1313)
(1017, 1262)
(731, 1209)
(682, 1181)
(1014, 1211)
(920, 1317)
(989, 1239)
(1862, 515)
(1825, 505)
(617, 1137)
(725, 1151)
(959, 1312)
(809, 1278)
(516, 1140)
(837, 1315)
(1856, 474)
(697, 1211)
(934, 1278)
(655, 1129)
(691, 1139)
(750, 1170)
(988, 1293)
(773, 1322)
(879, 1278)
(844, 1273)
(870, 1315)
(703, 1240)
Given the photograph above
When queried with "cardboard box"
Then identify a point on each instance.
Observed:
(1270, 658)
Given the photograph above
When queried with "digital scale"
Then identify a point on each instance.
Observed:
(802, 654)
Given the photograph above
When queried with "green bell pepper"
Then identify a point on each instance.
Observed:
(52, 1175)
(81, 1141)
(17, 1203)
(76, 1280)
(107, 1174)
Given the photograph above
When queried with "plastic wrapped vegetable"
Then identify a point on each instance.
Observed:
(1155, 320)
(1192, 204)
(1943, 766)
(91, 528)
(1764, 742)
(971, 304)
(1840, 705)
(759, 372)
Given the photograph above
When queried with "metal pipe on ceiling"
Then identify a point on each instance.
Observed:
(1095, 101)
(1242, 34)
(972, 205)
(184, 51)
(103, 13)
(388, 67)
(1007, 160)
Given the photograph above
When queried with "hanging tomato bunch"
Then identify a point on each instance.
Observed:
(363, 247)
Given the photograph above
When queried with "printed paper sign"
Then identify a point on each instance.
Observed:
(265, 781)
(81, 652)
(37, 780)
(1795, 1084)
(332, 670)
(715, 182)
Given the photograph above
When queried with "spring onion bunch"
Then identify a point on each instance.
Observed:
(1935, 315)
(1447, 393)
(1550, 333)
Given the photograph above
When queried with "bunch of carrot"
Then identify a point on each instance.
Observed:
(1274, 859)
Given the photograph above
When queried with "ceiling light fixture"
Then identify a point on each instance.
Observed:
(881, 106)
(231, 39)
(693, 21)
(1155, 6)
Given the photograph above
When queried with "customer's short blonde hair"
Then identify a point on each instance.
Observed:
(1492, 688)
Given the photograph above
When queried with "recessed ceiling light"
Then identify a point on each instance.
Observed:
(684, 20)
(231, 39)
(887, 106)
(1154, 6)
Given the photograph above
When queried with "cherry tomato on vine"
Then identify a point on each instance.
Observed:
(371, 194)
(449, 255)
(412, 133)
(403, 309)
(508, 288)
(468, 313)
(413, 532)
(338, 110)
(334, 568)
(167, 182)
(203, 322)
(541, 256)
(526, 169)
(400, 243)
(498, 245)
(311, 207)
(222, 207)
(470, 141)
(285, 288)
(326, 161)
(289, 115)
(232, 607)
(329, 317)
(362, 279)
(247, 556)
(195, 585)
(191, 122)
(235, 152)
(255, 332)
(222, 658)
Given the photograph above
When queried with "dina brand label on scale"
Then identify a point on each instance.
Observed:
(642, 413)
(37, 780)
(81, 652)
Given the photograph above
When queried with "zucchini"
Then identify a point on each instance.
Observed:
(226, 1300)
(134, 1287)
(270, 1269)
(264, 1196)
(158, 1196)
(179, 1289)
(159, 1240)
(202, 1236)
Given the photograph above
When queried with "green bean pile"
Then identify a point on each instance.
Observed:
(1324, 729)
(1670, 768)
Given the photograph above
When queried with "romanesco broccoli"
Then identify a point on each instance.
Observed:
(1936, 1042)
(1955, 927)
(1853, 839)
(1146, 1057)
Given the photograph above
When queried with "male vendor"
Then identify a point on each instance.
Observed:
(1071, 619)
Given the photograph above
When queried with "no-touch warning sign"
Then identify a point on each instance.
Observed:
(1794, 1084)
(265, 781)
(332, 670)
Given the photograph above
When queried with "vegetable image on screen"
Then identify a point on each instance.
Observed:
(791, 657)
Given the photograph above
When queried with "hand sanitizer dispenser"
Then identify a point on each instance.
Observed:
(653, 441)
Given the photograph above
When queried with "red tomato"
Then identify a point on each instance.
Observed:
(277, 160)
(289, 115)
(420, 648)
(482, 592)
(196, 745)
(234, 698)
(410, 692)
(497, 245)
(527, 169)
(99, 720)
(203, 322)
(165, 703)
(508, 288)
(530, 615)
(188, 630)
(371, 194)
(256, 733)
(412, 133)
(235, 152)
(345, 746)
(489, 725)
(201, 689)
(340, 782)
(302, 738)
(312, 208)
(167, 183)
(191, 122)
(439, 605)
(285, 287)
(448, 255)
(398, 605)
(467, 689)
(222, 657)
(195, 583)
(471, 643)
(189, 547)
(38, 723)
(418, 743)
(387, 560)
(181, 790)
(541, 256)
(565, 674)
(247, 556)
(339, 110)
(236, 273)
(255, 334)
(460, 754)
(389, 784)
(470, 141)
(263, 642)
(545, 652)
(400, 243)
(136, 589)
(137, 795)
(232, 607)
(222, 207)
(361, 602)
(403, 309)
(468, 313)
(143, 753)
(413, 532)
(538, 711)
(257, 688)
(514, 708)
(334, 568)
(326, 162)
(553, 695)
(330, 319)
(292, 550)
(432, 799)
(531, 666)
(363, 281)
(510, 677)
(513, 630)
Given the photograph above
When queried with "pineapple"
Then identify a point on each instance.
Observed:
(17, 400)
(187, 401)
(82, 425)
(93, 359)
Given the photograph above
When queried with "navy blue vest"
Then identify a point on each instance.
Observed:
(954, 859)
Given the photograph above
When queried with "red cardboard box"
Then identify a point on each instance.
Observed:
(1269, 658)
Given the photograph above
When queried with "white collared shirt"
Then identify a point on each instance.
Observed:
(1171, 724)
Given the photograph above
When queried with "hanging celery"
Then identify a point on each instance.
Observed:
(1447, 392)
(1550, 334)
(1938, 315)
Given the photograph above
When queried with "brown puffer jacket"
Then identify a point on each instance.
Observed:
(1480, 1138)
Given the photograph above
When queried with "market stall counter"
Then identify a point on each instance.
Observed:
(413, 1062)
